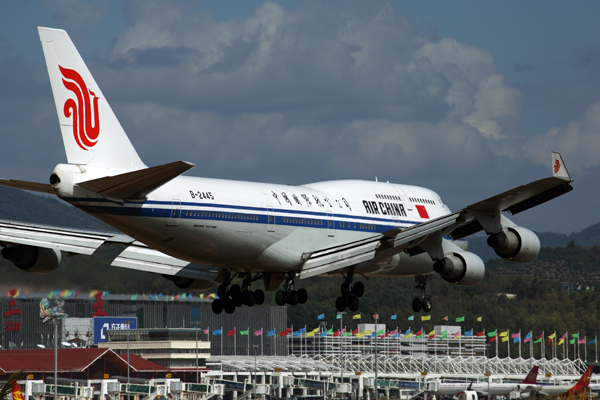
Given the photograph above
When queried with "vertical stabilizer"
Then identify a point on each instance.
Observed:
(91, 133)
(531, 377)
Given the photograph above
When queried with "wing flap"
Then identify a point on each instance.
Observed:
(136, 184)
(25, 185)
(150, 260)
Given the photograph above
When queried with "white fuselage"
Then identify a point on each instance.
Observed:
(257, 227)
(494, 389)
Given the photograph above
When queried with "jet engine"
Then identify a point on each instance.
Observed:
(515, 244)
(32, 259)
(198, 285)
(461, 268)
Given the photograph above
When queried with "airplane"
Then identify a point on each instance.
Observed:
(568, 391)
(483, 390)
(198, 231)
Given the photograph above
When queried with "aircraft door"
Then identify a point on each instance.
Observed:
(175, 213)
(330, 224)
(270, 219)
(405, 199)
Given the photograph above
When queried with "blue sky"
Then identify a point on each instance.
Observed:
(467, 98)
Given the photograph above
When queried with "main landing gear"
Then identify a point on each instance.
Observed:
(350, 293)
(232, 296)
(423, 302)
(289, 295)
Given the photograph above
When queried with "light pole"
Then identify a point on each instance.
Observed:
(128, 365)
(55, 317)
(197, 371)
(255, 346)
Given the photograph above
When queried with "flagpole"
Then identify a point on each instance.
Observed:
(585, 347)
(496, 336)
(221, 340)
(262, 340)
(520, 343)
(508, 341)
(596, 345)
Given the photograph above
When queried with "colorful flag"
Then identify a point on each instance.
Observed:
(271, 333)
(330, 331)
(503, 334)
(258, 333)
(407, 332)
(321, 316)
(409, 335)
(516, 340)
(206, 331)
(581, 341)
(490, 334)
(538, 341)
(564, 336)
(561, 341)
(425, 317)
(420, 332)
(394, 332)
(245, 333)
(480, 333)
(469, 333)
(444, 335)
(592, 342)
(367, 332)
(315, 330)
(479, 319)
(457, 335)
(297, 333)
(357, 316)
(324, 333)
(375, 316)
(231, 332)
(492, 339)
(310, 334)
(284, 333)
(359, 335)
(302, 330)
(411, 318)
(460, 319)
(432, 334)
(505, 338)
(527, 338)
(336, 333)
(542, 334)
(552, 336)
(445, 318)
(393, 316)
(217, 332)
(354, 332)
(348, 334)
(515, 335)
(572, 341)
(380, 332)
(385, 335)
(338, 316)
(575, 335)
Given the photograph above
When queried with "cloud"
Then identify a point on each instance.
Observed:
(77, 14)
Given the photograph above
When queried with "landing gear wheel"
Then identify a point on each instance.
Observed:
(222, 292)
(345, 288)
(259, 297)
(426, 303)
(217, 306)
(235, 291)
(292, 298)
(229, 307)
(340, 304)
(249, 299)
(358, 289)
(280, 298)
(353, 303)
(302, 296)
(416, 304)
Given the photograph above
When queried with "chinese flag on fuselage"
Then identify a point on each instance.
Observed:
(422, 212)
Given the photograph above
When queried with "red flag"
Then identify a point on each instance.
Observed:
(375, 316)
(420, 332)
(422, 211)
(231, 332)
(541, 334)
(445, 318)
(432, 336)
(336, 333)
(492, 339)
(385, 335)
(550, 341)
(480, 333)
(284, 333)
(354, 332)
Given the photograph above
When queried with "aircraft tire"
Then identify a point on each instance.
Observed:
(235, 292)
(259, 297)
(249, 299)
(358, 289)
(353, 303)
(229, 307)
(217, 306)
(426, 304)
(340, 304)
(292, 298)
(302, 296)
(416, 304)
(280, 298)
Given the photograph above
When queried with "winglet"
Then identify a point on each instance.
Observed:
(559, 169)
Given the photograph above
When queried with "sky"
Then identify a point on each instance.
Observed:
(467, 98)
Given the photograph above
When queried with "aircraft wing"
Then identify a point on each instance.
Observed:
(457, 225)
(136, 255)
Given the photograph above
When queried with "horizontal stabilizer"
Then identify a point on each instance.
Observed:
(137, 184)
(25, 185)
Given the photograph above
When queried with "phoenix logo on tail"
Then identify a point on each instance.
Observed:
(86, 134)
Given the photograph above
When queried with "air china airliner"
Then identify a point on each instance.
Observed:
(198, 231)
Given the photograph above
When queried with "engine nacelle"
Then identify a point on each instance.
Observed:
(33, 259)
(197, 285)
(516, 244)
(461, 268)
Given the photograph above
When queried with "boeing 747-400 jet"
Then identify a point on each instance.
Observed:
(198, 231)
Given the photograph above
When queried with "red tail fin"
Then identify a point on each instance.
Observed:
(531, 377)
(585, 378)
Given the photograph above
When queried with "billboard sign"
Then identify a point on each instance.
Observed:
(102, 324)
